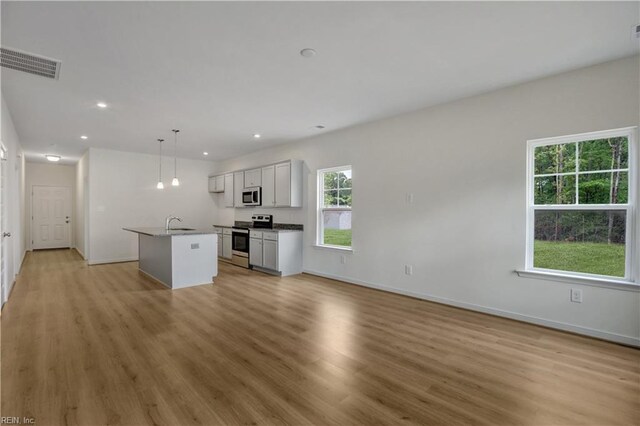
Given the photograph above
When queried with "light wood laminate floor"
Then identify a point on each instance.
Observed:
(103, 345)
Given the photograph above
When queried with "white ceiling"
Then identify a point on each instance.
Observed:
(223, 71)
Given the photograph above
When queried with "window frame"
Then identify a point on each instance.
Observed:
(630, 207)
(321, 209)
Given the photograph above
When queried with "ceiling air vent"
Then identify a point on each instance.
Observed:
(27, 62)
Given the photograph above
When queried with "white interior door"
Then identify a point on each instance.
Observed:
(4, 280)
(51, 217)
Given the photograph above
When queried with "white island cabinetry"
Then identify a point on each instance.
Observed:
(177, 258)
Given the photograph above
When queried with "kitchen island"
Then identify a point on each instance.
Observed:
(177, 258)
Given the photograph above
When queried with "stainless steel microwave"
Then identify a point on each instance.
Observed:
(252, 196)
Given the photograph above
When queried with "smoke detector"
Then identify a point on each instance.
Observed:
(29, 63)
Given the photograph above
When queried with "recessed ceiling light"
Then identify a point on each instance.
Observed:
(308, 53)
(257, 136)
(84, 137)
(101, 105)
(205, 153)
(53, 158)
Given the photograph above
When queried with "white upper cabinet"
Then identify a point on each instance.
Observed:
(212, 184)
(252, 178)
(288, 184)
(216, 183)
(268, 186)
(228, 190)
(238, 186)
(281, 184)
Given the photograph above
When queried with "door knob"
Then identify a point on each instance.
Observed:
(6, 234)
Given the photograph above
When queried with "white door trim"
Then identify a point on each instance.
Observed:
(4, 270)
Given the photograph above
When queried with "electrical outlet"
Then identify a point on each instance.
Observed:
(576, 295)
(343, 259)
(408, 269)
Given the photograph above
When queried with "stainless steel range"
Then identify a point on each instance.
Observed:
(262, 221)
(240, 238)
(240, 246)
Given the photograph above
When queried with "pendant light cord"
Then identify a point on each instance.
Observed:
(160, 163)
(175, 152)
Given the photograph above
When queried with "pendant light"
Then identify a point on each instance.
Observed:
(175, 181)
(160, 185)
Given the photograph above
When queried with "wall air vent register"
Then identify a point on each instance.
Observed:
(29, 63)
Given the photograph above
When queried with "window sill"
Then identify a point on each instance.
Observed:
(339, 248)
(577, 279)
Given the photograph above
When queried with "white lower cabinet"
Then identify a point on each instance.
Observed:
(279, 252)
(255, 252)
(270, 254)
(226, 243)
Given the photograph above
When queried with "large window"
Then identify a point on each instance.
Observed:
(581, 205)
(334, 207)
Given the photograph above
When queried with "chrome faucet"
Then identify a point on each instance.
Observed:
(168, 220)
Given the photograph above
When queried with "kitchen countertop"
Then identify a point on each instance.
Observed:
(261, 229)
(161, 232)
(274, 230)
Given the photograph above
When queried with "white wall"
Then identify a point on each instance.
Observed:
(49, 174)
(81, 205)
(14, 186)
(465, 163)
(122, 193)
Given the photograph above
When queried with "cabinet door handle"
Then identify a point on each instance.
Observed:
(6, 234)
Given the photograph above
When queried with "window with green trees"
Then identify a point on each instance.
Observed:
(334, 207)
(581, 204)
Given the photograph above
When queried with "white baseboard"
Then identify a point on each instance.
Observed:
(24, 255)
(604, 335)
(15, 278)
(117, 260)
(80, 253)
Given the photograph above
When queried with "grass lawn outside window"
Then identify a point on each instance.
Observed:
(337, 237)
(590, 258)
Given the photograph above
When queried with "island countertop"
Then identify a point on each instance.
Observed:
(161, 232)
